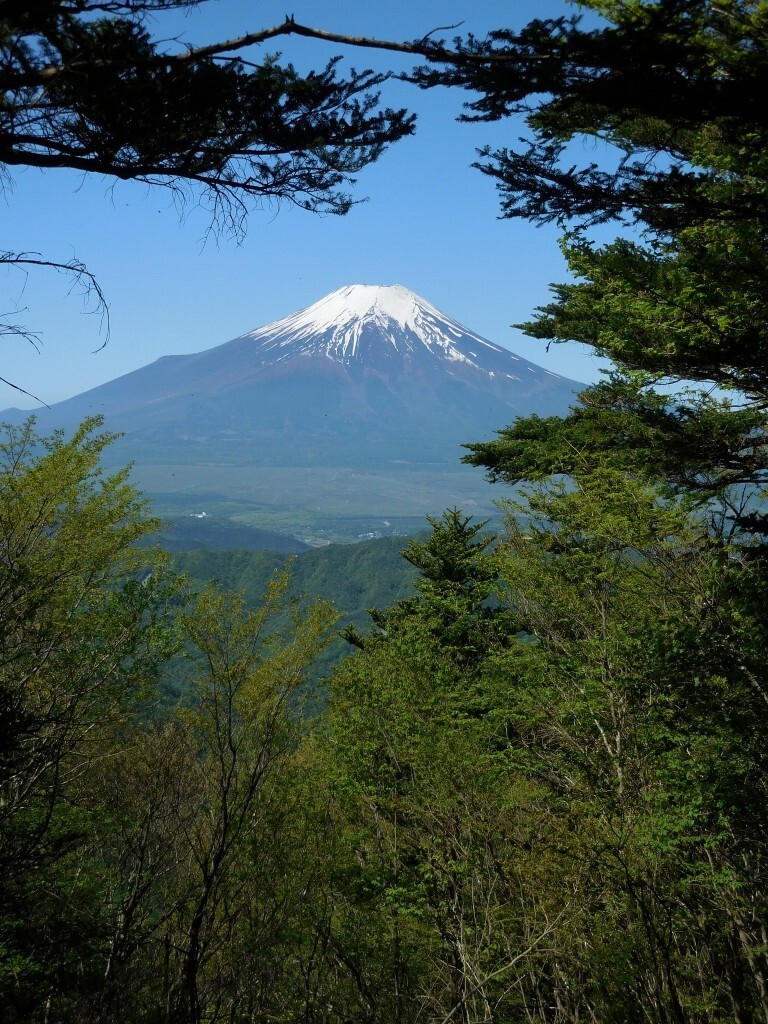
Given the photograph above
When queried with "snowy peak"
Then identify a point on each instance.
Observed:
(354, 323)
(365, 302)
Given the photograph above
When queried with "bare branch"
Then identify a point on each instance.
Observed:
(4, 380)
(81, 275)
(440, 28)
(421, 47)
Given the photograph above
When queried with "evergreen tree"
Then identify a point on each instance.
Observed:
(118, 102)
(668, 89)
(454, 587)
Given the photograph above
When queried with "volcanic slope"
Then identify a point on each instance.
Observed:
(369, 375)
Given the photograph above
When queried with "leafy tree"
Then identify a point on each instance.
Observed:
(140, 851)
(83, 627)
(635, 699)
(541, 788)
(635, 706)
(191, 876)
(672, 80)
(590, 841)
(241, 730)
(709, 451)
(430, 922)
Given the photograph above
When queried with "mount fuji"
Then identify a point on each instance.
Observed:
(343, 420)
(368, 376)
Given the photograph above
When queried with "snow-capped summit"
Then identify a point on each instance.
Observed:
(356, 303)
(387, 330)
(392, 315)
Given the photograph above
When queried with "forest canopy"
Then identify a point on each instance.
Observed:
(537, 789)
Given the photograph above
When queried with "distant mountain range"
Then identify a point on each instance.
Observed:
(366, 376)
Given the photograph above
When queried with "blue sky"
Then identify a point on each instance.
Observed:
(429, 222)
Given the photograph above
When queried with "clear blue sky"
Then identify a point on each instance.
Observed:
(429, 222)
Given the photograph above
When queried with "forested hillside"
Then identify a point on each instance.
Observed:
(190, 533)
(354, 577)
(538, 789)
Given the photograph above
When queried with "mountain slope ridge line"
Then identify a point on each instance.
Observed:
(370, 375)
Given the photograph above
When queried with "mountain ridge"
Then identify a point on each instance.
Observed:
(369, 374)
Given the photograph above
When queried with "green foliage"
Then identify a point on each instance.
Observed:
(135, 849)
(414, 756)
(356, 577)
(573, 818)
(228, 748)
(84, 625)
(670, 86)
(454, 586)
(705, 450)
(540, 788)
(639, 705)
(636, 568)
